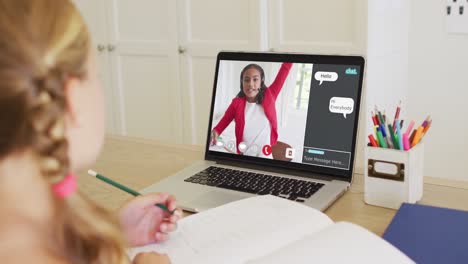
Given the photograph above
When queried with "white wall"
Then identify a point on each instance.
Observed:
(438, 85)
(387, 56)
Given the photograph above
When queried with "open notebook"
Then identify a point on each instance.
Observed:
(268, 229)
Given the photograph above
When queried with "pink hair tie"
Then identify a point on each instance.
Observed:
(66, 187)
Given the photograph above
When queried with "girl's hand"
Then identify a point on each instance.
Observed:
(150, 257)
(214, 137)
(144, 223)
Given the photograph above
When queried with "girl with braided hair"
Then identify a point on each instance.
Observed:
(51, 125)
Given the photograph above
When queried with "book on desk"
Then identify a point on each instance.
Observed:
(429, 234)
(268, 229)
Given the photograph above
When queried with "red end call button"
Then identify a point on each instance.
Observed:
(266, 150)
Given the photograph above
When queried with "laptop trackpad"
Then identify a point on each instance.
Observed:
(213, 199)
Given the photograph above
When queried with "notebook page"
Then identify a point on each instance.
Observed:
(338, 243)
(239, 231)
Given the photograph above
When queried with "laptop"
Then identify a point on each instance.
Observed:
(279, 124)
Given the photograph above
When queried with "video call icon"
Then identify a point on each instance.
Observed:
(242, 147)
(254, 149)
(219, 142)
(231, 146)
(290, 153)
(266, 150)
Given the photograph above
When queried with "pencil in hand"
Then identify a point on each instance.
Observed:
(125, 188)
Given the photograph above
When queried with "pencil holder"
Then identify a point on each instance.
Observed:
(393, 176)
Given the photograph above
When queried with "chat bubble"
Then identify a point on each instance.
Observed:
(341, 105)
(326, 76)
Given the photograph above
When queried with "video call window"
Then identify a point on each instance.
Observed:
(295, 112)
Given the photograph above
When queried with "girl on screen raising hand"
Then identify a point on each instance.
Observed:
(51, 126)
(254, 111)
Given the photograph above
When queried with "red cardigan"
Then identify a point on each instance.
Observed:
(237, 108)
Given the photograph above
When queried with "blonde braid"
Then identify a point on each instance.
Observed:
(49, 126)
(51, 146)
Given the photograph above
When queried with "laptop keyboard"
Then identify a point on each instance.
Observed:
(256, 183)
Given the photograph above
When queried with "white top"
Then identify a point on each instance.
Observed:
(257, 130)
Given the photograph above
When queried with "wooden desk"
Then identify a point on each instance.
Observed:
(138, 163)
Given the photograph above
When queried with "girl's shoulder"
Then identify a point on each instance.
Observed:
(238, 101)
(21, 243)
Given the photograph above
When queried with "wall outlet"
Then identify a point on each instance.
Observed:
(456, 13)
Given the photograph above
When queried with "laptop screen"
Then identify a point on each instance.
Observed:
(286, 110)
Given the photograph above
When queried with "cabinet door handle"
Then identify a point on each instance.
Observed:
(110, 48)
(182, 50)
(101, 47)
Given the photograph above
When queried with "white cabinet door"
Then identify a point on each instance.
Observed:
(317, 26)
(145, 67)
(94, 13)
(205, 28)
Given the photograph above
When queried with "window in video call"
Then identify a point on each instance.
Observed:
(296, 112)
